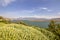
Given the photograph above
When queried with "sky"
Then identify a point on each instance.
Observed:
(30, 8)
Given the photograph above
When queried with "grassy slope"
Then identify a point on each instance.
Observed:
(22, 32)
(47, 33)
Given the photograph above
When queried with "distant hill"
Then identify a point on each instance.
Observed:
(37, 19)
(56, 19)
(32, 19)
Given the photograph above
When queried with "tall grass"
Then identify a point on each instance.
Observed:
(22, 32)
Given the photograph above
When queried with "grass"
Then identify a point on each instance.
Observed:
(22, 32)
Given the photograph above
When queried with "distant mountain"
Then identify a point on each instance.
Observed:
(29, 18)
(37, 19)
(56, 19)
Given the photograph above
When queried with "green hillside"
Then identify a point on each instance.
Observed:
(22, 32)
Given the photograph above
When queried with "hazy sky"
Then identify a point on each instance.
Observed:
(30, 8)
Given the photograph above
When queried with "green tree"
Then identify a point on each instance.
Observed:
(1, 17)
(52, 24)
(55, 28)
(58, 26)
(21, 22)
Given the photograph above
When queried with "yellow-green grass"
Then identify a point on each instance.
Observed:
(47, 33)
(22, 32)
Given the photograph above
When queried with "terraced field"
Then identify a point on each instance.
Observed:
(22, 32)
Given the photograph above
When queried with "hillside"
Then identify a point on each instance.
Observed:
(22, 32)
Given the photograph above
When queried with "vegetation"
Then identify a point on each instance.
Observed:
(21, 31)
(55, 28)
(2, 19)
(52, 24)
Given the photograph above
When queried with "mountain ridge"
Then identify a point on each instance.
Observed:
(38, 19)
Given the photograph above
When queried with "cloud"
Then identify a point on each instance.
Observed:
(41, 16)
(25, 13)
(46, 16)
(44, 8)
(59, 13)
(6, 2)
(15, 14)
(49, 10)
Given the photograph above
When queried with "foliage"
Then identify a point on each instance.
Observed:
(47, 33)
(58, 26)
(19, 33)
(22, 32)
(1, 17)
(52, 24)
(3, 20)
(55, 28)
